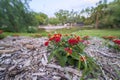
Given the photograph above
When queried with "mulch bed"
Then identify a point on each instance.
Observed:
(25, 58)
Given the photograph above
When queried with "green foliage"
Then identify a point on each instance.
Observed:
(71, 17)
(2, 36)
(15, 15)
(32, 29)
(111, 18)
(54, 21)
(62, 15)
(41, 18)
(104, 15)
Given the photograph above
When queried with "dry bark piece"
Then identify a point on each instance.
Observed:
(8, 51)
(28, 46)
(5, 45)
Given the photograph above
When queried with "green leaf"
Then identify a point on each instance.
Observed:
(52, 55)
(70, 60)
(63, 60)
(79, 64)
(75, 56)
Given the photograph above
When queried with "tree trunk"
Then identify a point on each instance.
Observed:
(114, 26)
(71, 24)
(97, 22)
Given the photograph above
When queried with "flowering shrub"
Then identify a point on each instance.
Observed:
(117, 44)
(117, 41)
(113, 42)
(69, 50)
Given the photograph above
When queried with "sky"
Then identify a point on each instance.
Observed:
(49, 7)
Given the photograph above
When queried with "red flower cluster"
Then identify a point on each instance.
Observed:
(74, 41)
(78, 38)
(1, 31)
(109, 37)
(69, 50)
(56, 38)
(117, 41)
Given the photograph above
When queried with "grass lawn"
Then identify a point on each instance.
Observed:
(25, 34)
(78, 31)
(105, 32)
(91, 32)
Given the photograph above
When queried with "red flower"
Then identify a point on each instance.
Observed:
(56, 38)
(57, 35)
(51, 38)
(117, 41)
(73, 41)
(46, 43)
(78, 38)
(82, 58)
(69, 50)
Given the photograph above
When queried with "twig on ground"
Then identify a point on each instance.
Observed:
(71, 70)
(106, 55)
(8, 51)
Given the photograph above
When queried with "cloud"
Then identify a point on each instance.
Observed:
(51, 6)
(92, 1)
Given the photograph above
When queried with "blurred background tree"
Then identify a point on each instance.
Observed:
(15, 15)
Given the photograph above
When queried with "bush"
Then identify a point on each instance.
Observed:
(2, 36)
(32, 29)
(69, 50)
(116, 44)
